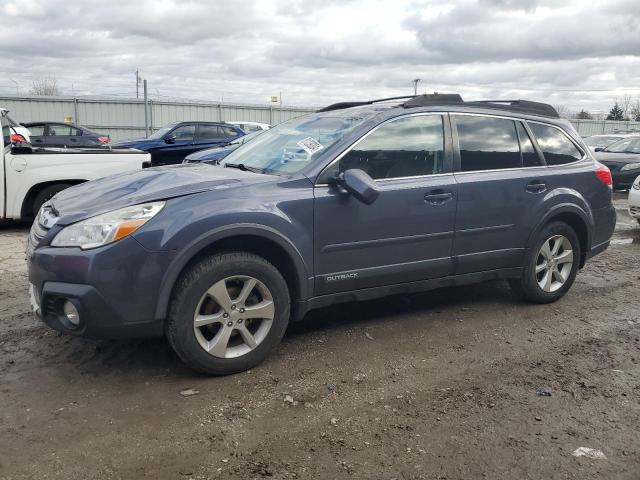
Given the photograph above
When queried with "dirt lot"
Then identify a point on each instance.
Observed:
(438, 385)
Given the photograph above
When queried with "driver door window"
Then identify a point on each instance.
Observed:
(184, 133)
(406, 147)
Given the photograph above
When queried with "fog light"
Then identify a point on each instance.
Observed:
(71, 313)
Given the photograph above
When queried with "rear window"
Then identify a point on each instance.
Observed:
(487, 143)
(555, 145)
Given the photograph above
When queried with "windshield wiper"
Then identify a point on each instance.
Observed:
(243, 167)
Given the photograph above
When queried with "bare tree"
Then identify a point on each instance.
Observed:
(625, 104)
(562, 110)
(45, 86)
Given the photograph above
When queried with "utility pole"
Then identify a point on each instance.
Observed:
(415, 82)
(146, 108)
(137, 84)
(17, 86)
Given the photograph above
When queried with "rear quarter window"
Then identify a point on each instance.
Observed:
(555, 145)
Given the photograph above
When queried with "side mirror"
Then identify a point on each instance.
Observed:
(170, 139)
(359, 184)
(599, 149)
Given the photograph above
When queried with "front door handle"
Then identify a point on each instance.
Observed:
(536, 186)
(438, 197)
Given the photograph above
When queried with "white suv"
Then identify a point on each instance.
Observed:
(634, 199)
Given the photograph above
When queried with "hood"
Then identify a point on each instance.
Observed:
(161, 183)
(605, 157)
(138, 143)
(215, 153)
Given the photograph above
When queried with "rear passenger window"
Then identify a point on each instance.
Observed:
(530, 157)
(487, 143)
(407, 147)
(210, 132)
(555, 145)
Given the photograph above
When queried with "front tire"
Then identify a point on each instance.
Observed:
(551, 265)
(228, 313)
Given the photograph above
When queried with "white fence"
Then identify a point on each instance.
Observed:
(124, 118)
(595, 127)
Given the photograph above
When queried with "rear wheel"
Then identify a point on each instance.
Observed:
(551, 265)
(228, 312)
(46, 194)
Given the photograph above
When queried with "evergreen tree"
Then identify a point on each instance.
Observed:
(584, 115)
(616, 113)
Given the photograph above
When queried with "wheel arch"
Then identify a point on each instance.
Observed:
(257, 239)
(581, 221)
(26, 209)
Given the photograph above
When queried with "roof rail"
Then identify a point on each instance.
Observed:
(341, 105)
(414, 101)
(523, 106)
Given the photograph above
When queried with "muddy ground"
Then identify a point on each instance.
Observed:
(441, 385)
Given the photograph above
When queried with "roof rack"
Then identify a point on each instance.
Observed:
(522, 106)
(341, 105)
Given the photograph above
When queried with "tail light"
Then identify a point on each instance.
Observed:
(17, 138)
(604, 174)
(104, 139)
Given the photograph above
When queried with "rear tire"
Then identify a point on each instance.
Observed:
(551, 265)
(228, 313)
(46, 194)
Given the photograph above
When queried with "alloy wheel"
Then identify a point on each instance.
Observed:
(554, 263)
(234, 316)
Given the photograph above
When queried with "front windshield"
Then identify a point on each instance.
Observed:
(600, 140)
(163, 131)
(290, 146)
(627, 145)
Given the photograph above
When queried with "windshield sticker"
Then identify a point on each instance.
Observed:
(310, 145)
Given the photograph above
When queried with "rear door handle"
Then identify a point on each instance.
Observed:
(536, 186)
(438, 197)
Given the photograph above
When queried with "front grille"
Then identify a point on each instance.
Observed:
(44, 220)
(634, 210)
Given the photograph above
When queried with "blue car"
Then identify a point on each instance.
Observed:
(214, 155)
(175, 141)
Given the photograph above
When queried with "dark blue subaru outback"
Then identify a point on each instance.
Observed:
(357, 201)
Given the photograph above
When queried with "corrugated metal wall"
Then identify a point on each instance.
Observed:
(124, 118)
(594, 127)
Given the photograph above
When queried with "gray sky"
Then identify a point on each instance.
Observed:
(576, 53)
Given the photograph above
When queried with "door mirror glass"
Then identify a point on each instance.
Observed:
(359, 184)
(170, 139)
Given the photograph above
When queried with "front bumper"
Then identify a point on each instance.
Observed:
(114, 288)
(634, 200)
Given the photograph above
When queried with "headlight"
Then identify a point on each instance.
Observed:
(106, 228)
(630, 166)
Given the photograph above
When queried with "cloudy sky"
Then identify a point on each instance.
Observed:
(575, 53)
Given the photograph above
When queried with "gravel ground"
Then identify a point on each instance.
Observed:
(441, 385)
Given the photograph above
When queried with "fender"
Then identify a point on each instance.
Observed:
(207, 239)
(565, 207)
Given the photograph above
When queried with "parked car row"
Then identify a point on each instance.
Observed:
(170, 144)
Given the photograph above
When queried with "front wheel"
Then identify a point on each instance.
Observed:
(228, 312)
(551, 265)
